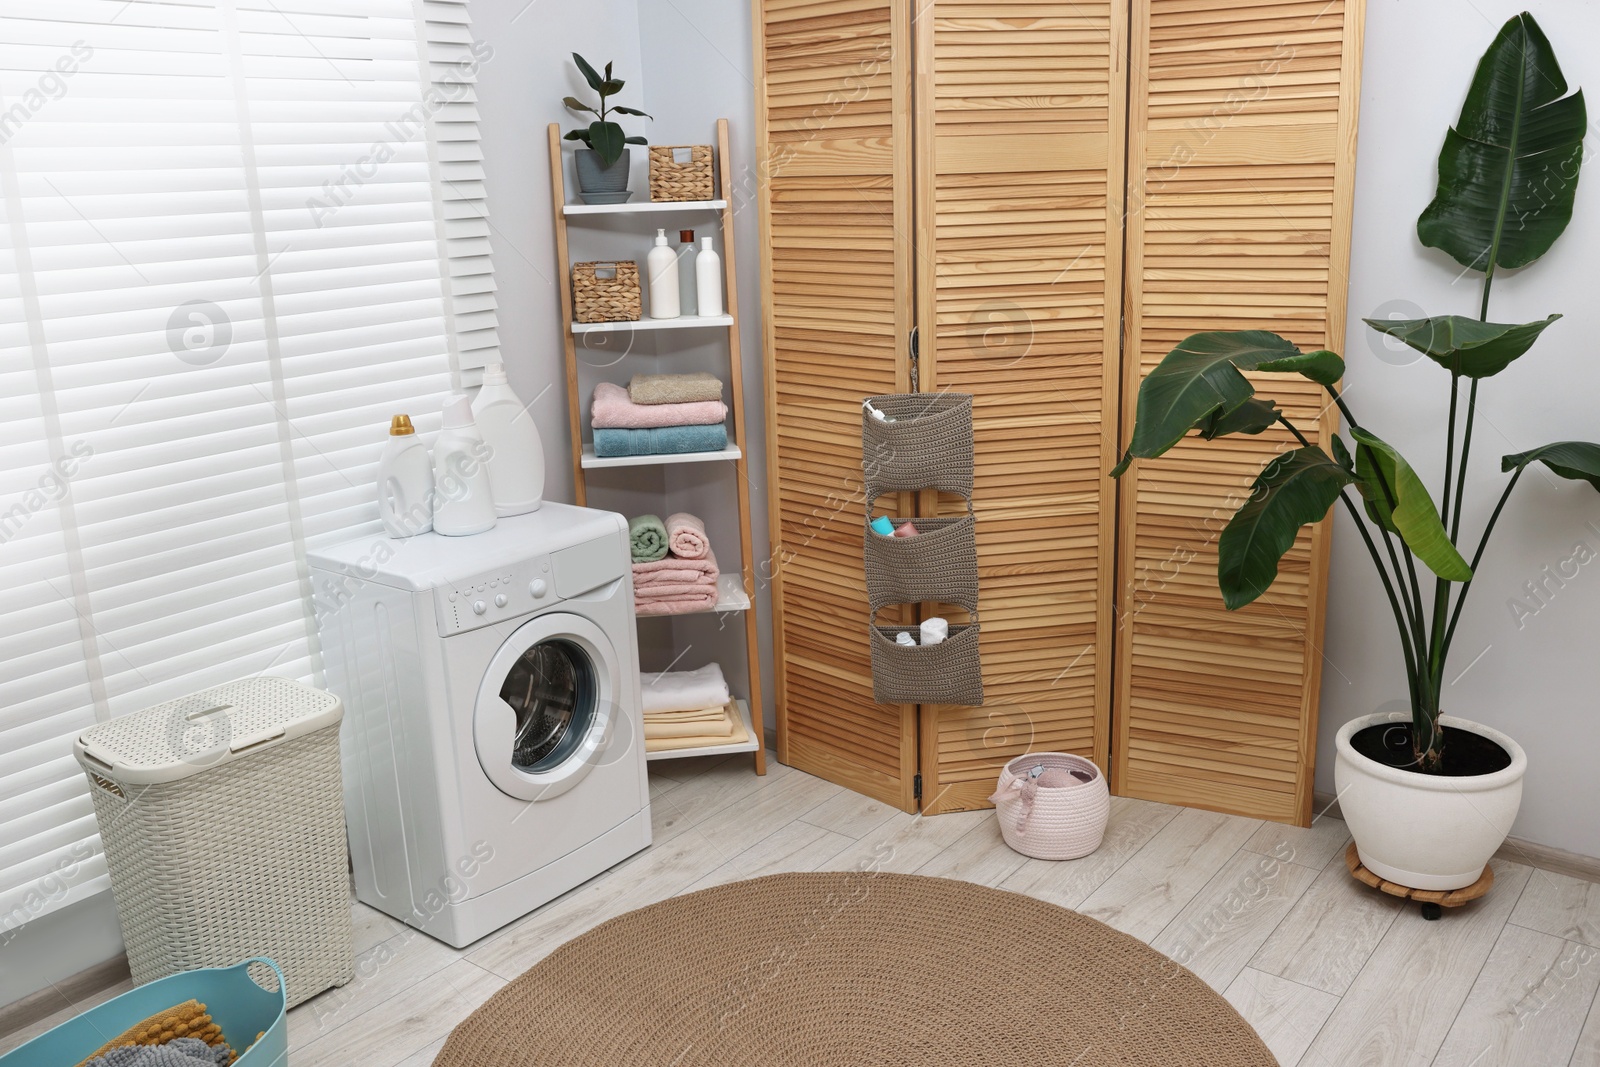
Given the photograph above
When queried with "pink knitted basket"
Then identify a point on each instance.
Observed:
(1060, 822)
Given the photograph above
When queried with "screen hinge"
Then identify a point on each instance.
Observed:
(912, 350)
(916, 787)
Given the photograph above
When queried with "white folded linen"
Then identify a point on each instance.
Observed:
(683, 690)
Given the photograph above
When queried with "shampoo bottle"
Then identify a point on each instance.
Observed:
(662, 266)
(686, 275)
(516, 457)
(405, 481)
(708, 279)
(463, 500)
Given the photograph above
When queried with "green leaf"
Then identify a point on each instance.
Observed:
(1341, 454)
(1253, 416)
(577, 135)
(635, 140)
(1321, 366)
(606, 138)
(619, 109)
(1295, 489)
(611, 87)
(574, 104)
(590, 75)
(1509, 169)
(1462, 345)
(1195, 381)
(608, 70)
(1413, 516)
(1578, 460)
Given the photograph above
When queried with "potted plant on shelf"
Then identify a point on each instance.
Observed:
(1428, 797)
(603, 162)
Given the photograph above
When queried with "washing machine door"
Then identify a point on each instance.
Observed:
(546, 707)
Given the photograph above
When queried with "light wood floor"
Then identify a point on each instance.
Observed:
(1330, 973)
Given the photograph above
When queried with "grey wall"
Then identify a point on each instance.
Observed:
(1537, 678)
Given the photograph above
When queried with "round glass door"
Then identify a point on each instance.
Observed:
(552, 689)
(545, 706)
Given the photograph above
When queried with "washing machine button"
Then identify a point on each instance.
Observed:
(500, 600)
(479, 607)
(538, 587)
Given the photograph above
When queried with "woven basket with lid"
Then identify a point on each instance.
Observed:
(222, 817)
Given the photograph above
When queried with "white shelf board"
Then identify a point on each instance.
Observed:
(747, 745)
(644, 207)
(682, 322)
(590, 461)
(730, 597)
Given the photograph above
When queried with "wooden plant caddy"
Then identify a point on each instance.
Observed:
(1432, 900)
(736, 591)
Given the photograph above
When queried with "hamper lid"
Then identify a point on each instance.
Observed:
(195, 733)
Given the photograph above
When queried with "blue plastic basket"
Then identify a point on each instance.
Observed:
(237, 1003)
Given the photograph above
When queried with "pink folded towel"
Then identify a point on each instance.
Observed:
(686, 536)
(684, 605)
(674, 571)
(672, 590)
(613, 410)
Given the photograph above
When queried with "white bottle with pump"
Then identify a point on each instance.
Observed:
(662, 266)
(516, 456)
(405, 481)
(708, 279)
(463, 501)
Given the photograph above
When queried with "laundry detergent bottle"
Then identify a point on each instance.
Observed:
(405, 481)
(516, 456)
(463, 500)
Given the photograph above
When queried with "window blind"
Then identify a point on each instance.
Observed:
(235, 238)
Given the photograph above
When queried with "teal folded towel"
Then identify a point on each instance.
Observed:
(647, 537)
(660, 440)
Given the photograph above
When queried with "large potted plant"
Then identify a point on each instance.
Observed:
(1428, 797)
(603, 162)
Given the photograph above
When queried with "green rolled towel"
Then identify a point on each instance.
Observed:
(647, 537)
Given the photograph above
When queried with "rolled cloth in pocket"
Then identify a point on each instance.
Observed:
(686, 536)
(647, 538)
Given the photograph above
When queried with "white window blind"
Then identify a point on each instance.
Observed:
(236, 236)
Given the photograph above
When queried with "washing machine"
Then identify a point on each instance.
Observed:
(492, 738)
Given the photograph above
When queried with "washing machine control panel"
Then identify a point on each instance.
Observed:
(494, 596)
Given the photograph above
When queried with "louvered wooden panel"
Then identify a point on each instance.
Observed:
(833, 114)
(1242, 156)
(1020, 122)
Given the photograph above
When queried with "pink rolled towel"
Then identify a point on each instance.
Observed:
(686, 536)
(612, 410)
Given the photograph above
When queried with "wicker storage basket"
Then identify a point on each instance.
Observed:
(680, 172)
(927, 446)
(945, 673)
(605, 291)
(222, 818)
(939, 564)
(1052, 823)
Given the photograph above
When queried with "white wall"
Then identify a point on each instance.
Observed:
(1537, 681)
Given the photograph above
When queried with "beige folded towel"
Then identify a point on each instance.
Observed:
(722, 727)
(739, 735)
(674, 388)
(716, 714)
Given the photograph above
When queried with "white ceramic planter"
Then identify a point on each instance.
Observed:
(1422, 830)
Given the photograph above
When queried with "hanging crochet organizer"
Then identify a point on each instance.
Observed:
(925, 443)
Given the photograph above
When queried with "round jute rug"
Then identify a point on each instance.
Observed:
(850, 969)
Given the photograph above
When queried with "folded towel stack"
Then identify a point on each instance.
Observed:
(680, 413)
(674, 582)
(689, 709)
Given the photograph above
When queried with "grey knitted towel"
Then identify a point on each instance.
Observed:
(179, 1052)
(674, 388)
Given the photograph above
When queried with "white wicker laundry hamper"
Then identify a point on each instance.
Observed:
(1052, 816)
(222, 818)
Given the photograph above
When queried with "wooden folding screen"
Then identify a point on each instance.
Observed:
(1019, 163)
(834, 126)
(1242, 159)
(1001, 225)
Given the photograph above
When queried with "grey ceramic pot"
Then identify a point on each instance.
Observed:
(600, 184)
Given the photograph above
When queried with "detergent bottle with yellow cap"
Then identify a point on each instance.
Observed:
(405, 481)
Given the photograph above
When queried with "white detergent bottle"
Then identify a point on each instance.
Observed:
(405, 481)
(516, 456)
(708, 279)
(463, 501)
(662, 266)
